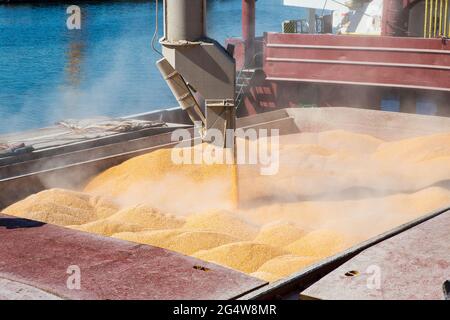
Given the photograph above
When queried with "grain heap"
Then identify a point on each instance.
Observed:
(279, 234)
(157, 238)
(318, 243)
(283, 266)
(185, 242)
(62, 207)
(154, 179)
(222, 222)
(133, 219)
(350, 142)
(334, 189)
(243, 256)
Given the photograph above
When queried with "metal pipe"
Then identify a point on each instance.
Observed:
(430, 27)
(393, 18)
(248, 30)
(445, 18)
(184, 20)
(435, 18)
(312, 21)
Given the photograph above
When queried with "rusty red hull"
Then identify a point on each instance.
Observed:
(326, 70)
(375, 61)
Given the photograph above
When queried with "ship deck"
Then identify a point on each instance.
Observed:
(38, 260)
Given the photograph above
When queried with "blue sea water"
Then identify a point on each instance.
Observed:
(49, 73)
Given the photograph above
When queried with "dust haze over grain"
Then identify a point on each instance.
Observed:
(180, 195)
(334, 189)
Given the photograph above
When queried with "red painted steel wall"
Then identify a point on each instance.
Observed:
(375, 61)
(394, 18)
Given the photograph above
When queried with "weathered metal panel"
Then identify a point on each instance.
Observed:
(358, 60)
(412, 265)
(40, 256)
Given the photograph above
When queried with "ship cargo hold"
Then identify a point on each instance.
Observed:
(358, 206)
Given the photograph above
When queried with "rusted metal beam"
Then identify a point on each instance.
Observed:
(248, 29)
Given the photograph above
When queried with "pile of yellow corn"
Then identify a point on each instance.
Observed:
(333, 189)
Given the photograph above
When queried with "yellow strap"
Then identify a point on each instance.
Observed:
(425, 19)
(435, 18)
(431, 19)
(446, 18)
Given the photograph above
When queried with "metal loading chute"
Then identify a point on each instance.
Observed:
(181, 91)
(193, 62)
